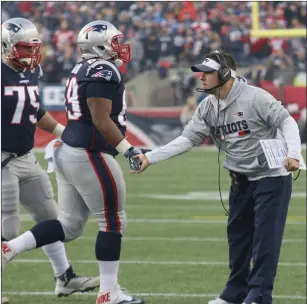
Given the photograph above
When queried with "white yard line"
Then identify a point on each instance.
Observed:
(26, 218)
(166, 295)
(185, 206)
(173, 206)
(150, 262)
(203, 196)
(181, 239)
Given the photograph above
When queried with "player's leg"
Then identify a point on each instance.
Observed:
(70, 229)
(239, 233)
(73, 215)
(106, 202)
(36, 195)
(104, 192)
(49, 233)
(10, 222)
(272, 197)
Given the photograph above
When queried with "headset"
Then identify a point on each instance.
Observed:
(224, 72)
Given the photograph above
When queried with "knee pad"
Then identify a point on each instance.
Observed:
(122, 218)
(72, 228)
(48, 232)
(10, 225)
(108, 246)
(46, 210)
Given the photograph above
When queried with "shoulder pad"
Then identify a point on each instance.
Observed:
(102, 70)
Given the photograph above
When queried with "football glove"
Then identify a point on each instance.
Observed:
(134, 162)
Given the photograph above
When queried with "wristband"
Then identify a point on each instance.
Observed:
(58, 130)
(123, 146)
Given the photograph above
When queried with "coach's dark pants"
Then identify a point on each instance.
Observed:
(257, 217)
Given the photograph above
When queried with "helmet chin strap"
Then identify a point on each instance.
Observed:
(22, 64)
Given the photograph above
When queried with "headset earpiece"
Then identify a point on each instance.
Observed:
(224, 72)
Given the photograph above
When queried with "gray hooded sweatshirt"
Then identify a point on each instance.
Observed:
(236, 125)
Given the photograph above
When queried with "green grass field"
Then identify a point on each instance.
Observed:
(175, 249)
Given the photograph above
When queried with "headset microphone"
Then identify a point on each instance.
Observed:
(209, 90)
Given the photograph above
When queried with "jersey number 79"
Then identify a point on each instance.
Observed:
(22, 98)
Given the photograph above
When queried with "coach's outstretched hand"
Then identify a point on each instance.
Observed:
(144, 163)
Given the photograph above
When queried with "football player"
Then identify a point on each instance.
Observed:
(23, 179)
(90, 181)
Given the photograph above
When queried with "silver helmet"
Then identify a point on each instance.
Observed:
(20, 42)
(101, 38)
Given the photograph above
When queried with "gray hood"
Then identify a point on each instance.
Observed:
(236, 89)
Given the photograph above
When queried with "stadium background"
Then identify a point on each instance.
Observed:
(175, 249)
(166, 39)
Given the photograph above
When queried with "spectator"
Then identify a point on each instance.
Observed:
(187, 111)
(300, 61)
(173, 26)
(63, 35)
(137, 52)
(51, 68)
(67, 61)
(166, 43)
(179, 41)
(151, 50)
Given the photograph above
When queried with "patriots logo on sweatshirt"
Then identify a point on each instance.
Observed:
(238, 113)
(232, 129)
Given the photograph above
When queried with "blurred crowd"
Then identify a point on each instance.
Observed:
(171, 33)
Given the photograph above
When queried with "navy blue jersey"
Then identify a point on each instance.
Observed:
(93, 78)
(19, 105)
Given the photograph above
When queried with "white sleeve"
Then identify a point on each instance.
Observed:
(178, 146)
(291, 135)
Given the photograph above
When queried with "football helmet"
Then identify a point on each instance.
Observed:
(20, 42)
(101, 38)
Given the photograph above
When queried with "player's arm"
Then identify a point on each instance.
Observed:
(47, 123)
(99, 100)
(100, 109)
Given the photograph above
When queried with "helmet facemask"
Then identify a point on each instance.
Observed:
(26, 55)
(122, 50)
